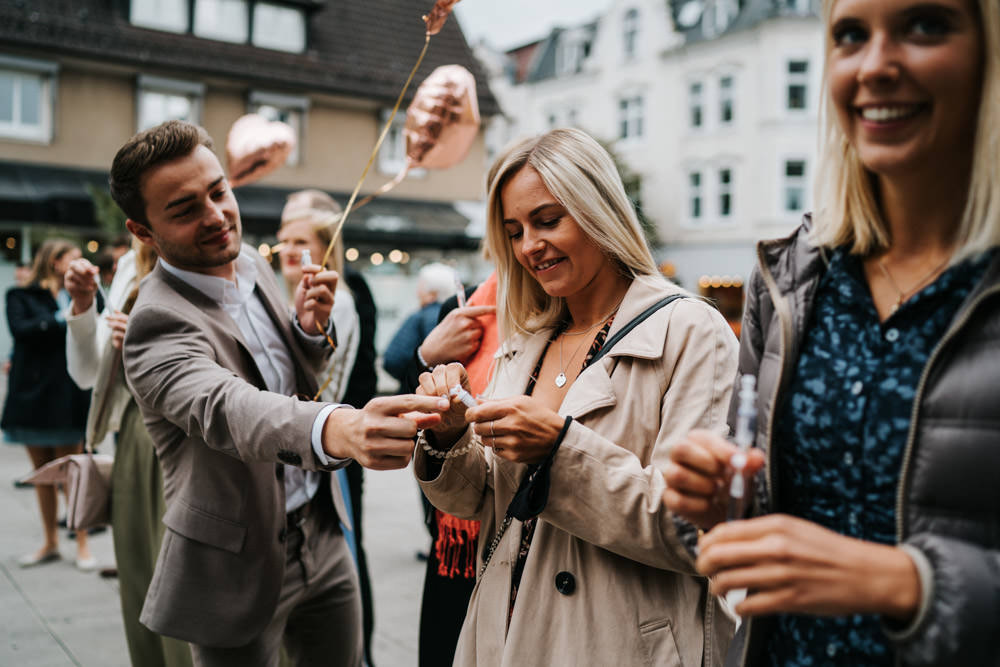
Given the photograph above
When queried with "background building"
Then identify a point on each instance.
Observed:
(78, 78)
(710, 105)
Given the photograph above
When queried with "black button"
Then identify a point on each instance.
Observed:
(291, 458)
(565, 583)
(282, 534)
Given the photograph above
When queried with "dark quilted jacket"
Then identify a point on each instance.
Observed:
(948, 502)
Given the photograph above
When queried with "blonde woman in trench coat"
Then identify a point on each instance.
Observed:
(600, 576)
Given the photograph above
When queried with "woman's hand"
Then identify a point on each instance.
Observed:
(698, 472)
(518, 429)
(117, 321)
(794, 566)
(314, 298)
(439, 382)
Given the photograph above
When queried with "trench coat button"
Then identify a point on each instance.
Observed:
(282, 534)
(565, 583)
(291, 458)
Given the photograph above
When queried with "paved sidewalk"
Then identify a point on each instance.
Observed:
(54, 615)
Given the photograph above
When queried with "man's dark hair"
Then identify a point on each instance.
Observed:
(152, 147)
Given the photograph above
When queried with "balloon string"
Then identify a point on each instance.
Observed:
(385, 188)
(378, 144)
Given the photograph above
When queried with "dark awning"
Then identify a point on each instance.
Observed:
(51, 195)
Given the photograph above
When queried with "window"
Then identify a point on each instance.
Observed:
(695, 104)
(725, 193)
(795, 186)
(800, 6)
(630, 117)
(726, 100)
(279, 28)
(26, 98)
(798, 85)
(287, 109)
(171, 15)
(268, 25)
(392, 155)
(630, 33)
(225, 20)
(570, 52)
(161, 100)
(695, 196)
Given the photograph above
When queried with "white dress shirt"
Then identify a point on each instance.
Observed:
(240, 300)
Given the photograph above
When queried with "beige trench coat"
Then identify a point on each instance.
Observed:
(637, 599)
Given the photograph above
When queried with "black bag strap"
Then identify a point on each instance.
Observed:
(636, 321)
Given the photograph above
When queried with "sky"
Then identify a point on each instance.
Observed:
(508, 23)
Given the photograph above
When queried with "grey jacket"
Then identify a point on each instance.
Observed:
(218, 437)
(948, 500)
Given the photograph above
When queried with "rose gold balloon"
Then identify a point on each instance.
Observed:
(443, 119)
(438, 15)
(255, 147)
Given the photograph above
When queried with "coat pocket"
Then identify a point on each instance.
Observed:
(200, 526)
(658, 644)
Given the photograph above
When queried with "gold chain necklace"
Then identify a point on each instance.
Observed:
(561, 379)
(903, 296)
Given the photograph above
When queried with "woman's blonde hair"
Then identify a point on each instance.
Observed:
(43, 270)
(322, 212)
(582, 177)
(848, 211)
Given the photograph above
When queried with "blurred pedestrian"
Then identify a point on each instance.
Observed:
(44, 410)
(451, 564)
(93, 354)
(435, 283)
(307, 224)
(874, 330)
(562, 464)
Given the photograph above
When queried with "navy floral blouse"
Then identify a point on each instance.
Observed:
(841, 431)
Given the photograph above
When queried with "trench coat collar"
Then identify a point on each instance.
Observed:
(593, 389)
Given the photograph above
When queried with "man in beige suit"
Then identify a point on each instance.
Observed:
(253, 555)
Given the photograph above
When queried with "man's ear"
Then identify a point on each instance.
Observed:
(141, 232)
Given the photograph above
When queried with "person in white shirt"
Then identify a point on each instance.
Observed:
(253, 556)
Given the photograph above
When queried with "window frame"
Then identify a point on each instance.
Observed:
(695, 196)
(48, 75)
(797, 79)
(630, 34)
(788, 182)
(296, 103)
(696, 103)
(194, 90)
(390, 164)
(727, 95)
(725, 200)
(251, 8)
(631, 116)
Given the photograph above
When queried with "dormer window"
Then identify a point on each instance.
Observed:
(630, 33)
(269, 25)
(570, 52)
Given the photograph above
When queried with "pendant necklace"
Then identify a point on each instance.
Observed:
(561, 379)
(903, 296)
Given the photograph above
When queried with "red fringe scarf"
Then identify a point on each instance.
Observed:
(455, 547)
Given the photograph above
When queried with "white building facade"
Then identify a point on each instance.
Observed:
(712, 106)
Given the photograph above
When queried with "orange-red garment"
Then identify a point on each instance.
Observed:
(455, 546)
(479, 367)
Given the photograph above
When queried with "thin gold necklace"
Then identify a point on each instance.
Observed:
(561, 379)
(903, 296)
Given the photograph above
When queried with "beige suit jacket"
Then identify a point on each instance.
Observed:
(219, 435)
(636, 598)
